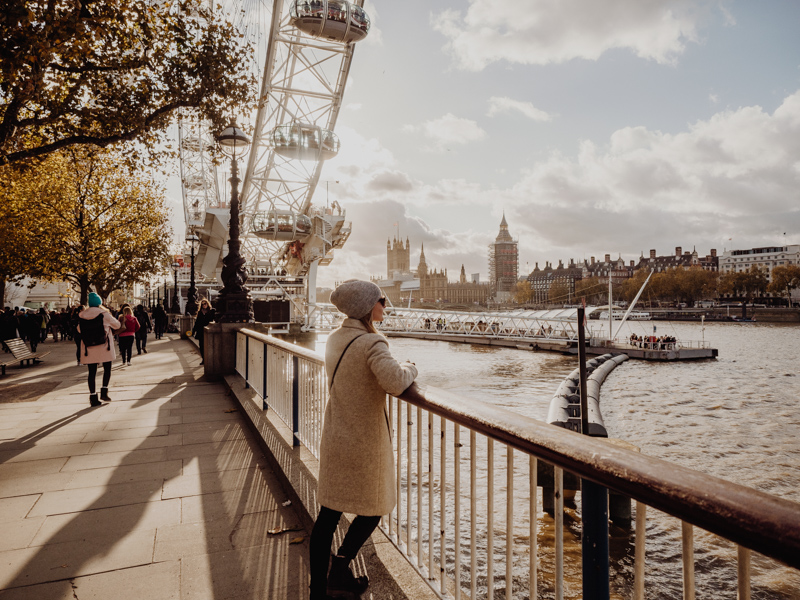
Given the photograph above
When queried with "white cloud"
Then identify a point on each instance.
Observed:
(738, 172)
(735, 175)
(556, 31)
(498, 105)
(448, 130)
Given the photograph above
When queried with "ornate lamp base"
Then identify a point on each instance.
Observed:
(236, 307)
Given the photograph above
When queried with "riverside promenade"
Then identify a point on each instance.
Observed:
(162, 493)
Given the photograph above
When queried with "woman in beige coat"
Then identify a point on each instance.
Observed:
(356, 472)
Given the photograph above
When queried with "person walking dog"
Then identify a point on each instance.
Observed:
(356, 470)
(97, 345)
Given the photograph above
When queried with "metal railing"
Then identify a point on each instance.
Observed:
(468, 516)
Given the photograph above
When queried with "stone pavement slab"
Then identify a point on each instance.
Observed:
(160, 494)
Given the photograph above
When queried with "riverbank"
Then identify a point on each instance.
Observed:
(726, 314)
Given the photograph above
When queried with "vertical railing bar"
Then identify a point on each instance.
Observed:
(295, 401)
(390, 411)
(639, 560)
(743, 573)
(265, 359)
(490, 518)
(246, 361)
(399, 472)
(409, 487)
(509, 522)
(431, 576)
(443, 505)
(687, 538)
(533, 584)
(457, 505)
(419, 488)
(473, 510)
(558, 475)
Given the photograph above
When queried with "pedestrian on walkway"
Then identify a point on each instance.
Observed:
(74, 321)
(205, 316)
(356, 470)
(127, 337)
(32, 324)
(94, 354)
(160, 319)
(145, 325)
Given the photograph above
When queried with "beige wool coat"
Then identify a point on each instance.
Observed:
(356, 470)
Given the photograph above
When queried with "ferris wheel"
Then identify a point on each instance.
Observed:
(305, 48)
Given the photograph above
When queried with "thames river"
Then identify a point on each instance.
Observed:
(737, 417)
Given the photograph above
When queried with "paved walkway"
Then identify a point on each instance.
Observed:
(162, 493)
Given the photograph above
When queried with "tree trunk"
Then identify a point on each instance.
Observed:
(83, 281)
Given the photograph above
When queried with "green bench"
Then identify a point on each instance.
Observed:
(21, 354)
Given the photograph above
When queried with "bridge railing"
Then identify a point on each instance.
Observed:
(468, 479)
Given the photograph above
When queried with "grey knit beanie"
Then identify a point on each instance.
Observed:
(355, 298)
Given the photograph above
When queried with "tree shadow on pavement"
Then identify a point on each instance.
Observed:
(225, 493)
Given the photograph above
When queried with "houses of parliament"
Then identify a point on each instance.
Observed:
(432, 285)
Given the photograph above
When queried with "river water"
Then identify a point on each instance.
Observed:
(736, 417)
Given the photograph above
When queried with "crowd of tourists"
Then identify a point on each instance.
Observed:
(651, 342)
(96, 331)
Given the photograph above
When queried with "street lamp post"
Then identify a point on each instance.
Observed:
(234, 302)
(176, 302)
(191, 294)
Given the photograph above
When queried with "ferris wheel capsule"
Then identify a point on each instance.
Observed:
(281, 225)
(304, 142)
(336, 20)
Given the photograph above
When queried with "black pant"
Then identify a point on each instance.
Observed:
(93, 373)
(141, 343)
(322, 538)
(77, 339)
(126, 347)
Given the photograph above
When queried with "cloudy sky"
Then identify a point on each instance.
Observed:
(611, 126)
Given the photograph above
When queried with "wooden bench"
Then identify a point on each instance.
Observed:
(21, 354)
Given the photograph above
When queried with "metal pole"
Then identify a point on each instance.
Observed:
(234, 298)
(176, 303)
(191, 294)
(594, 501)
(582, 366)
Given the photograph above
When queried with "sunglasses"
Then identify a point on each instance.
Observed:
(382, 301)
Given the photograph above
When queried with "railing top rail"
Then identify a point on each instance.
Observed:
(309, 355)
(748, 517)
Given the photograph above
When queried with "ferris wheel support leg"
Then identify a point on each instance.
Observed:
(311, 295)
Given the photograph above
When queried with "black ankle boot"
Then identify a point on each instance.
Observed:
(342, 581)
(104, 395)
(93, 401)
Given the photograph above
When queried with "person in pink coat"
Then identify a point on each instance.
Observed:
(101, 354)
(127, 337)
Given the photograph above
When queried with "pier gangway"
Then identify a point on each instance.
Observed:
(553, 330)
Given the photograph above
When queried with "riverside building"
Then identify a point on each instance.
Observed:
(503, 264)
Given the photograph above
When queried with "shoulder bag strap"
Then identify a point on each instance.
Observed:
(336, 368)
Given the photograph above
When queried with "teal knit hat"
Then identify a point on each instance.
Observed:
(94, 299)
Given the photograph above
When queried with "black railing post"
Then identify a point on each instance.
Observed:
(295, 400)
(594, 502)
(246, 361)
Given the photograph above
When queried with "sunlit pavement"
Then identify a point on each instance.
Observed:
(161, 493)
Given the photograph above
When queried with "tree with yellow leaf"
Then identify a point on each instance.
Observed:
(97, 222)
(76, 72)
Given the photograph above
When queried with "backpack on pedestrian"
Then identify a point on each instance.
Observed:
(93, 333)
